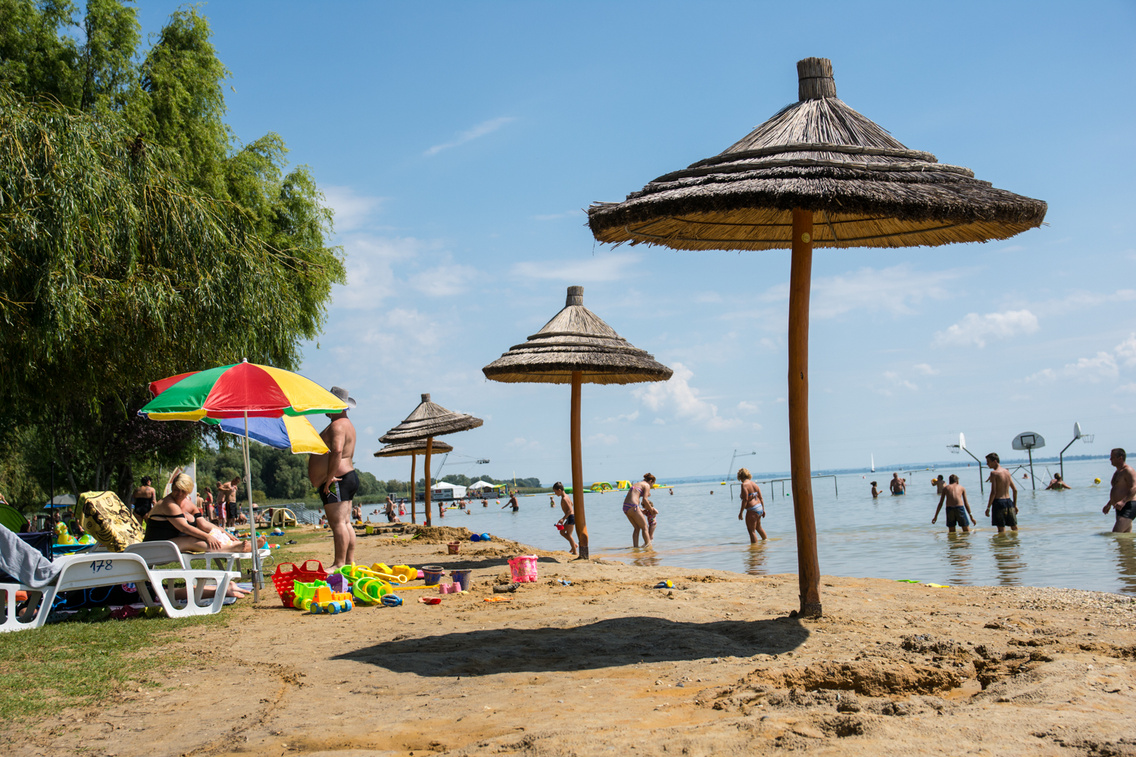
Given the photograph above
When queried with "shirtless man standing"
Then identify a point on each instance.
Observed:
(1122, 498)
(334, 478)
(954, 494)
(568, 522)
(1001, 484)
(229, 491)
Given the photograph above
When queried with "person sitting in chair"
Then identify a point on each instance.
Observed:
(174, 519)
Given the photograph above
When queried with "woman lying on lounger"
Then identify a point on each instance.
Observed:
(175, 519)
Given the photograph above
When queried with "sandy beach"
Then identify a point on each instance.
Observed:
(608, 664)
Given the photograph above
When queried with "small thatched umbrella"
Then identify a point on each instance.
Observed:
(576, 347)
(815, 161)
(413, 449)
(427, 421)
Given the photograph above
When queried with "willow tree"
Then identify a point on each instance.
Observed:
(125, 254)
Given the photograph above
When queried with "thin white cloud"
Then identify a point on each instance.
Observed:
(557, 216)
(607, 267)
(896, 382)
(1126, 389)
(370, 269)
(1105, 366)
(895, 290)
(449, 280)
(521, 443)
(352, 211)
(747, 407)
(924, 369)
(623, 418)
(608, 440)
(977, 329)
(1126, 351)
(483, 129)
(1091, 369)
(677, 396)
(400, 331)
(1081, 300)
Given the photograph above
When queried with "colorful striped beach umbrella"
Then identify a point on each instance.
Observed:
(240, 394)
(294, 433)
(237, 391)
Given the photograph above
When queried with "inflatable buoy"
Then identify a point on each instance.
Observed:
(1096, 480)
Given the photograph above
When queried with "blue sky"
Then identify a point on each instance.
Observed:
(460, 144)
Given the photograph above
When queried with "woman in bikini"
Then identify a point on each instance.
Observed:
(753, 507)
(142, 500)
(639, 498)
(175, 518)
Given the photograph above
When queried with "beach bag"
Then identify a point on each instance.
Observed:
(105, 517)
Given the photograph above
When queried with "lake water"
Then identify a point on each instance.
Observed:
(1063, 539)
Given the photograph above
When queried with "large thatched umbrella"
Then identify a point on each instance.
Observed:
(576, 347)
(427, 421)
(413, 449)
(815, 162)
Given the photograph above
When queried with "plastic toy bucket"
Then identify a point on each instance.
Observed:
(461, 578)
(453, 547)
(433, 574)
(523, 568)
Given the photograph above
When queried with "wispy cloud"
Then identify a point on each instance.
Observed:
(895, 290)
(483, 129)
(893, 381)
(352, 211)
(677, 396)
(924, 369)
(606, 267)
(977, 329)
(1080, 300)
(1104, 366)
(623, 418)
(607, 440)
(370, 269)
(447, 280)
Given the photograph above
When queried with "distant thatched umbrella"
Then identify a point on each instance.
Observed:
(413, 449)
(427, 421)
(575, 347)
(816, 160)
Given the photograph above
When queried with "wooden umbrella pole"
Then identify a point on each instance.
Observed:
(800, 279)
(578, 467)
(426, 472)
(413, 462)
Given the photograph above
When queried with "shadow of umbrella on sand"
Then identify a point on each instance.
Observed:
(413, 449)
(576, 347)
(815, 174)
(428, 420)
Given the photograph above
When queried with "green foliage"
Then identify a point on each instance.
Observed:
(135, 242)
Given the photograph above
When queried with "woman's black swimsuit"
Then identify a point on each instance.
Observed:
(143, 505)
(164, 529)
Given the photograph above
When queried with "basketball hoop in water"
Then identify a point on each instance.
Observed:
(1029, 441)
(1086, 438)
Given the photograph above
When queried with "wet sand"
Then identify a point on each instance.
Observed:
(611, 665)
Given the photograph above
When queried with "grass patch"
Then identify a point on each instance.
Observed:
(82, 664)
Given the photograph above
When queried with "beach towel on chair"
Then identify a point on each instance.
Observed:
(108, 520)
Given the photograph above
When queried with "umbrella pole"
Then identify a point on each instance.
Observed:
(426, 473)
(252, 518)
(800, 278)
(578, 467)
(413, 463)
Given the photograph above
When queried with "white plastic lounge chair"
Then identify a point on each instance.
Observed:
(88, 571)
(162, 552)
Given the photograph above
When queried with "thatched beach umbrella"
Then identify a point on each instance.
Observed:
(413, 449)
(816, 174)
(576, 347)
(427, 421)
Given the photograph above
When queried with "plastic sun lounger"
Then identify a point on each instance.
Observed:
(162, 552)
(88, 571)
